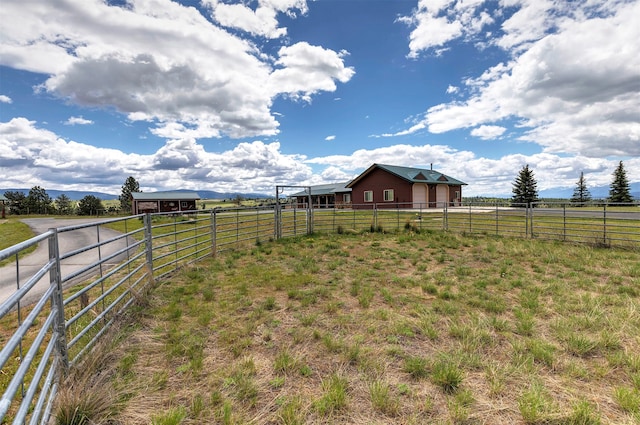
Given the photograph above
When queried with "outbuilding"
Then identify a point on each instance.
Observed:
(324, 196)
(168, 201)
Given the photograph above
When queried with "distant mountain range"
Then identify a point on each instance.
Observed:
(600, 192)
(76, 195)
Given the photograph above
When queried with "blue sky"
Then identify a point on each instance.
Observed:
(245, 95)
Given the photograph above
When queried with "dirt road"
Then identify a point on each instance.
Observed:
(68, 241)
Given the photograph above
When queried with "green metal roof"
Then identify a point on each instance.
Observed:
(413, 175)
(176, 195)
(325, 189)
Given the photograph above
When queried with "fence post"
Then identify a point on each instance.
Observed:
(604, 225)
(333, 222)
(148, 240)
(564, 222)
(214, 233)
(57, 301)
(310, 218)
(257, 224)
(529, 219)
(277, 224)
(445, 217)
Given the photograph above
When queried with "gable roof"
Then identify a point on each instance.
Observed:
(412, 175)
(174, 195)
(325, 189)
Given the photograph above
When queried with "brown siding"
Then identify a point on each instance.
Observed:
(151, 206)
(452, 194)
(432, 196)
(378, 181)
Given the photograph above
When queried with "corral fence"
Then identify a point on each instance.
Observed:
(56, 311)
(599, 224)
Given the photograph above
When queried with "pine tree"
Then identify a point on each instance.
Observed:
(130, 186)
(38, 201)
(63, 204)
(525, 188)
(90, 205)
(619, 191)
(581, 194)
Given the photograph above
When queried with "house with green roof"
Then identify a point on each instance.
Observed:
(168, 201)
(324, 196)
(391, 186)
(387, 186)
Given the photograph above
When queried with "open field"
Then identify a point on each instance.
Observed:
(374, 328)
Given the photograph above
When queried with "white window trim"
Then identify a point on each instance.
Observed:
(365, 196)
(386, 192)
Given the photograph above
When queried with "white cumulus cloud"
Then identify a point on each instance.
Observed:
(573, 83)
(487, 132)
(78, 121)
(165, 63)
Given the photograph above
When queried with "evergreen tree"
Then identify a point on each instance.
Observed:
(581, 194)
(17, 202)
(525, 188)
(90, 205)
(63, 204)
(38, 201)
(619, 190)
(130, 186)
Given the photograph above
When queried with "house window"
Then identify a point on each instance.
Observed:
(346, 198)
(368, 196)
(388, 195)
(184, 204)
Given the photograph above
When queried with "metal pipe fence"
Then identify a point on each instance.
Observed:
(598, 224)
(59, 308)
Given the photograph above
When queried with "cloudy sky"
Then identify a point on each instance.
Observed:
(244, 95)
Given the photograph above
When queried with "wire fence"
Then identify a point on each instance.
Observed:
(53, 312)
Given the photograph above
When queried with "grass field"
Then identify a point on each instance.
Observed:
(386, 328)
(13, 232)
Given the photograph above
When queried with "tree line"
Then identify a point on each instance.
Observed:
(525, 188)
(37, 201)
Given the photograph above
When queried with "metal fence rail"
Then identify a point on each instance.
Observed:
(596, 224)
(63, 319)
(60, 308)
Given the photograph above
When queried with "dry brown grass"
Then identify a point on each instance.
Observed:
(372, 329)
